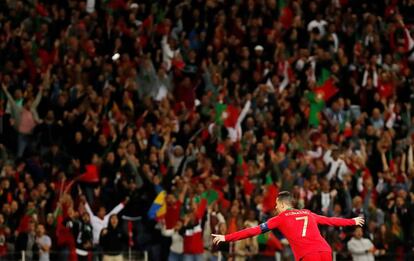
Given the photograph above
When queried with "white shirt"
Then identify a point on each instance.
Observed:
(338, 166)
(90, 6)
(41, 242)
(99, 224)
(320, 24)
(358, 249)
(167, 53)
(177, 241)
(326, 200)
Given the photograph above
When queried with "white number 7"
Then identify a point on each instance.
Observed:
(305, 224)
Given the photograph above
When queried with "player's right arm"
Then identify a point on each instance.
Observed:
(339, 222)
(248, 232)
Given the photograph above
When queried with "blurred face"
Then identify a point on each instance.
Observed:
(110, 157)
(71, 212)
(40, 230)
(32, 227)
(358, 233)
(222, 228)
(101, 212)
(85, 218)
(325, 186)
(50, 219)
(54, 149)
(357, 202)
(170, 199)
(78, 136)
(114, 221)
(179, 225)
(102, 140)
(14, 206)
(18, 94)
(400, 202)
(6, 209)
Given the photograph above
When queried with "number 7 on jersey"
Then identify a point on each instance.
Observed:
(305, 224)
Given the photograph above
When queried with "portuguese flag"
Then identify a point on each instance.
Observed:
(226, 115)
(323, 93)
(285, 13)
(327, 90)
(269, 199)
(324, 76)
(210, 195)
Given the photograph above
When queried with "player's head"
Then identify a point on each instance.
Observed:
(284, 201)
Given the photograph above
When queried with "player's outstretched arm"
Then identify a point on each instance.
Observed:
(339, 222)
(239, 235)
(248, 232)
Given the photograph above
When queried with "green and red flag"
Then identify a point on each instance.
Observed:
(323, 77)
(327, 90)
(285, 13)
(226, 115)
(210, 195)
(324, 91)
(269, 199)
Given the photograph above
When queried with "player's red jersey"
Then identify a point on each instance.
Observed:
(300, 227)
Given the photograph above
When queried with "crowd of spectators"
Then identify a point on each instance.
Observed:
(212, 106)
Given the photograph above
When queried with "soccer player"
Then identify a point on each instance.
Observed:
(300, 227)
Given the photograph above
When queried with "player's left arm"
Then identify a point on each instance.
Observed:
(339, 222)
(248, 232)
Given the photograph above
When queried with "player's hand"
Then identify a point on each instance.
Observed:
(217, 239)
(359, 221)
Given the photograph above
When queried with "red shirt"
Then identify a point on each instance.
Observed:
(300, 227)
(173, 214)
(193, 235)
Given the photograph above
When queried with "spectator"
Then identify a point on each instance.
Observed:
(361, 248)
(192, 233)
(246, 249)
(44, 243)
(26, 241)
(25, 118)
(84, 238)
(176, 249)
(100, 221)
(4, 236)
(113, 240)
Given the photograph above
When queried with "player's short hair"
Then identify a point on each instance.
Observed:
(285, 197)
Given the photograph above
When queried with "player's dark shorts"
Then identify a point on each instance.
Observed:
(318, 256)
